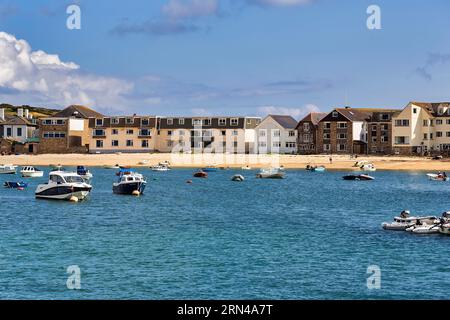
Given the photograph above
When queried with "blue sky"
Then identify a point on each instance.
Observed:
(243, 57)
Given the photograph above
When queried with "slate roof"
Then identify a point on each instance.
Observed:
(78, 112)
(286, 122)
(314, 117)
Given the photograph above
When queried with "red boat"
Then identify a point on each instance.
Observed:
(201, 174)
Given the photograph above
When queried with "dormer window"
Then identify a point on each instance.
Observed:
(99, 122)
(169, 121)
(129, 120)
(114, 120)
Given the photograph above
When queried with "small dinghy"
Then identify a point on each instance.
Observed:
(237, 178)
(209, 169)
(363, 177)
(201, 174)
(405, 221)
(438, 177)
(273, 173)
(15, 185)
(368, 167)
(160, 167)
(246, 168)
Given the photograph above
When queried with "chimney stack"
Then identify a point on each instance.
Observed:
(20, 112)
(2, 114)
(27, 114)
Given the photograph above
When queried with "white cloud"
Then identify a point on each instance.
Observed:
(179, 9)
(36, 77)
(296, 113)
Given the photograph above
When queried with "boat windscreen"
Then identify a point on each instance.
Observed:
(74, 179)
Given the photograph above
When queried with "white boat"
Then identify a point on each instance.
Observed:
(437, 177)
(130, 183)
(143, 162)
(272, 173)
(424, 229)
(404, 222)
(111, 167)
(84, 173)
(160, 167)
(246, 168)
(237, 178)
(8, 169)
(368, 167)
(31, 172)
(445, 229)
(64, 186)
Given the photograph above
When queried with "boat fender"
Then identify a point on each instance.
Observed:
(136, 193)
(73, 199)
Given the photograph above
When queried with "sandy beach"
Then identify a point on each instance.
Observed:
(227, 160)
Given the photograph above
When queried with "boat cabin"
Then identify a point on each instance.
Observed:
(60, 178)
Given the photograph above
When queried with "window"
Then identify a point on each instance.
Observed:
(402, 123)
(196, 133)
(169, 132)
(447, 134)
(425, 136)
(145, 122)
(306, 138)
(181, 121)
(342, 125)
(99, 143)
(130, 131)
(47, 122)
(326, 147)
(335, 114)
(234, 121)
(207, 133)
(222, 122)
(342, 136)
(115, 131)
(290, 144)
(197, 122)
(276, 144)
(129, 143)
(99, 133)
(234, 133)
(206, 122)
(262, 133)
(414, 110)
(401, 140)
(439, 134)
(19, 132)
(114, 120)
(99, 122)
(235, 144)
(384, 127)
(169, 121)
(224, 133)
(431, 136)
(276, 133)
(144, 143)
(54, 135)
(8, 132)
(129, 120)
(114, 143)
(385, 116)
(374, 139)
(327, 125)
(262, 144)
(145, 133)
(306, 127)
(341, 147)
(292, 133)
(438, 122)
(326, 136)
(384, 139)
(224, 144)
(249, 121)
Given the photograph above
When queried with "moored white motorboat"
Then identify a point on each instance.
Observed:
(246, 168)
(424, 229)
(31, 172)
(405, 221)
(64, 186)
(130, 183)
(160, 167)
(237, 178)
(272, 173)
(437, 177)
(8, 169)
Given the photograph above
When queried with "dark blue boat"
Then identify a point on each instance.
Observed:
(209, 169)
(15, 185)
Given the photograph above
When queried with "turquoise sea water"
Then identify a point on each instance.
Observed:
(310, 236)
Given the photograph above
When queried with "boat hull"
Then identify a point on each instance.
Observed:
(38, 174)
(64, 193)
(129, 188)
(270, 176)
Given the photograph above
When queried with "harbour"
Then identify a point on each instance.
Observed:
(308, 236)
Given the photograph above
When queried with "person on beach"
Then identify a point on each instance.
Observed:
(331, 160)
